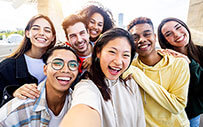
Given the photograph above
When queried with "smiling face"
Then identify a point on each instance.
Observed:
(40, 34)
(144, 39)
(79, 38)
(115, 57)
(95, 25)
(60, 80)
(175, 34)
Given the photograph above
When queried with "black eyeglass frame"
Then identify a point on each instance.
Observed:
(68, 64)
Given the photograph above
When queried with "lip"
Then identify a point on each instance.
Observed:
(93, 32)
(64, 80)
(181, 38)
(143, 47)
(114, 70)
(41, 39)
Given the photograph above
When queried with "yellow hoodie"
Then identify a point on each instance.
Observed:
(164, 89)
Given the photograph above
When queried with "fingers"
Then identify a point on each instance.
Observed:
(86, 63)
(27, 90)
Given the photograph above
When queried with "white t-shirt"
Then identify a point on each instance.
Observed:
(125, 109)
(55, 120)
(35, 67)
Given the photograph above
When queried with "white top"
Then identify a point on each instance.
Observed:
(55, 120)
(35, 67)
(125, 108)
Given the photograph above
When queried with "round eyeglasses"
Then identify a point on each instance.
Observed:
(58, 64)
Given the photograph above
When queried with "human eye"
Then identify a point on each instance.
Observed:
(82, 32)
(72, 36)
(135, 37)
(92, 21)
(73, 65)
(178, 27)
(35, 28)
(57, 63)
(126, 55)
(168, 34)
(148, 34)
(100, 25)
(47, 30)
(112, 52)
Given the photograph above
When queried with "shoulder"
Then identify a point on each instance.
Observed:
(15, 108)
(7, 62)
(86, 92)
(180, 62)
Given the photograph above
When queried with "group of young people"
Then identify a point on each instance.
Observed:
(95, 80)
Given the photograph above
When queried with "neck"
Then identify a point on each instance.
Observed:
(55, 100)
(151, 59)
(35, 53)
(182, 50)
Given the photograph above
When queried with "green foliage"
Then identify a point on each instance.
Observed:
(8, 32)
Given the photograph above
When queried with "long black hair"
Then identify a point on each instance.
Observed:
(193, 51)
(96, 74)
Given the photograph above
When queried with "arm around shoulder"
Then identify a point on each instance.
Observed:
(81, 116)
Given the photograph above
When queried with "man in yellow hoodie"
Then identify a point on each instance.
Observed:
(163, 79)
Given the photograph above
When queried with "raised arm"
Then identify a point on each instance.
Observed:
(175, 98)
(81, 116)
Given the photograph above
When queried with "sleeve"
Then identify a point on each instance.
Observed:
(174, 100)
(196, 77)
(87, 93)
(140, 113)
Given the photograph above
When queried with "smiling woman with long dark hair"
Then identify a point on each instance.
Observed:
(105, 99)
(23, 69)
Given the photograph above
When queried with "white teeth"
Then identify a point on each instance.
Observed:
(181, 38)
(117, 69)
(144, 46)
(93, 32)
(64, 78)
(40, 39)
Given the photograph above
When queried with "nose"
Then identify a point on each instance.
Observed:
(41, 32)
(95, 26)
(65, 69)
(118, 59)
(177, 33)
(141, 39)
(79, 38)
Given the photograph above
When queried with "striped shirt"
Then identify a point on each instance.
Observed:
(29, 112)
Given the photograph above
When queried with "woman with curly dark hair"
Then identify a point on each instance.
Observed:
(98, 20)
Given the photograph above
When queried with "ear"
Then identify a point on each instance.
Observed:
(155, 36)
(45, 69)
(27, 34)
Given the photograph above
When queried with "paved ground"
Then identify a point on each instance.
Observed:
(6, 49)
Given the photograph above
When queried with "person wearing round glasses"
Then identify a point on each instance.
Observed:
(61, 69)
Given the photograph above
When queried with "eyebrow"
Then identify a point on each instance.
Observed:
(117, 49)
(39, 26)
(176, 25)
(95, 20)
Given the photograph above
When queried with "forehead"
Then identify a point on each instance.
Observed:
(119, 43)
(140, 28)
(64, 54)
(97, 16)
(41, 22)
(76, 28)
(169, 25)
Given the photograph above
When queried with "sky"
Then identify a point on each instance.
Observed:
(12, 18)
